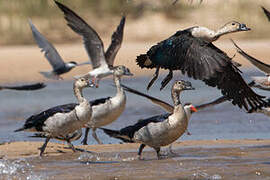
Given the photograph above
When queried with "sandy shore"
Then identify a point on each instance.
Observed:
(205, 159)
(22, 63)
(15, 150)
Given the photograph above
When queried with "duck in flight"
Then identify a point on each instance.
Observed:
(102, 62)
(262, 82)
(51, 54)
(192, 52)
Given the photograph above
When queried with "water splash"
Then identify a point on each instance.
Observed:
(18, 169)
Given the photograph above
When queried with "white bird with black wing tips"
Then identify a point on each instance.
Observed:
(102, 62)
(51, 54)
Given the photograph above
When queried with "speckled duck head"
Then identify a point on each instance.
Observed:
(182, 85)
(234, 26)
(121, 71)
(82, 82)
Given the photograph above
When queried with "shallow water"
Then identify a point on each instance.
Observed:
(220, 122)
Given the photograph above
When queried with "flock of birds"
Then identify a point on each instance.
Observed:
(191, 51)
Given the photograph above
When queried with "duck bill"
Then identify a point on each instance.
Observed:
(193, 109)
(243, 27)
(189, 88)
(128, 74)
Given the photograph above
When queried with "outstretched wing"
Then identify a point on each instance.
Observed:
(28, 87)
(92, 42)
(204, 61)
(167, 107)
(266, 12)
(260, 65)
(117, 38)
(50, 52)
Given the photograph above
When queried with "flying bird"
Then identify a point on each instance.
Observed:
(102, 62)
(262, 82)
(192, 52)
(51, 54)
(29, 87)
(266, 12)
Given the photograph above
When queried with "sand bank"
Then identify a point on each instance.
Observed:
(205, 159)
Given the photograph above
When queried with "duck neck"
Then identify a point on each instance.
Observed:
(78, 94)
(117, 81)
(175, 98)
(220, 32)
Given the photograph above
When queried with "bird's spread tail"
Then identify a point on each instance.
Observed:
(144, 62)
(116, 134)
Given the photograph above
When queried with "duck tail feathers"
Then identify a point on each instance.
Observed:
(116, 134)
(144, 62)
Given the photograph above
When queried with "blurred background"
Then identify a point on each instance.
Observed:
(146, 19)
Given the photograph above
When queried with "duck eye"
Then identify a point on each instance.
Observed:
(233, 24)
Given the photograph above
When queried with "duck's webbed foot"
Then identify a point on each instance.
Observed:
(166, 80)
(154, 78)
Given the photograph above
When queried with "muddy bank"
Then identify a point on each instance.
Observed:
(206, 159)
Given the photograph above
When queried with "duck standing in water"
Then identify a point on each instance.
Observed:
(102, 62)
(61, 121)
(107, 110)
(160, 130)
(192, 52)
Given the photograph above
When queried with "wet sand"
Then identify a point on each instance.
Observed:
(22, 63)
(204, 159)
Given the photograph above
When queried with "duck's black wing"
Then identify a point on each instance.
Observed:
(37, 121)
(117, 38)
(99, 101)
(266, 12)
(204, 61)
(28, 87)
(163, 104)
(126, 134)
